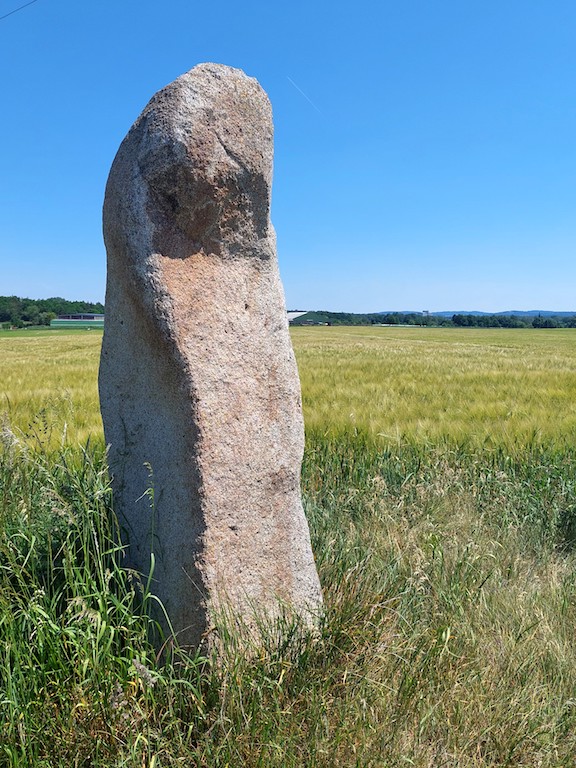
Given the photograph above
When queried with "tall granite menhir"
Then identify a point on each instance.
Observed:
(199, 389)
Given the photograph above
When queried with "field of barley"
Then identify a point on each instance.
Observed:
(439, 481)
(481, 387)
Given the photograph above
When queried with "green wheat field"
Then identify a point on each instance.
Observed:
(439, 481)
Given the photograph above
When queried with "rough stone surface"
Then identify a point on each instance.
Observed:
(199, 389)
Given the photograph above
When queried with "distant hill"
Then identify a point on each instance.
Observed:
(507, 313)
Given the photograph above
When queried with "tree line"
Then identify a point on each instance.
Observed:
(19, 313)
(514, 321)
(417, 318)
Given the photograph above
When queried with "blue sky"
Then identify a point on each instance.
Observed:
(425, 153)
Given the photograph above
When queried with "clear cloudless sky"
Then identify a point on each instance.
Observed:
(425, 152)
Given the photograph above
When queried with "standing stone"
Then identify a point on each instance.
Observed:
(199, 389)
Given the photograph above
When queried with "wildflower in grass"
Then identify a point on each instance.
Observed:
(146, 675)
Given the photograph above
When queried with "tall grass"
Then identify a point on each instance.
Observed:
(449, 578)
(79, 671)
